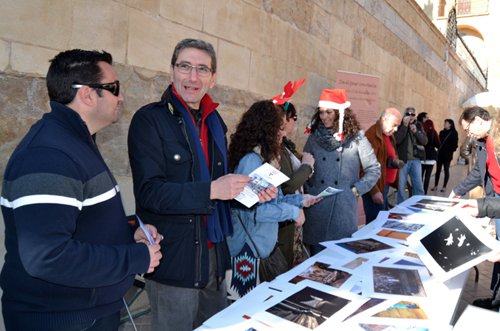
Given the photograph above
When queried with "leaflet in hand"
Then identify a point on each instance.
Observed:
(328, 191)
(146, 231)
(261, 178)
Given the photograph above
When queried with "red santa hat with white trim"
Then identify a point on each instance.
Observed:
(335, 99)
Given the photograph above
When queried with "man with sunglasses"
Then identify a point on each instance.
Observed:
(71, 254)
(477, 123)
(410, 137)
(178, 156)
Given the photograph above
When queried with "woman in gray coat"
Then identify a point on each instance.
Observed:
(341, 152)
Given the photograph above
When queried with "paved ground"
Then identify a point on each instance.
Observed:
(471, 291)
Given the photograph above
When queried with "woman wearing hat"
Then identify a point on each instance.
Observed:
(341, 151)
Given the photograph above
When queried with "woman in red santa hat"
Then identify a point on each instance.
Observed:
(341, 151)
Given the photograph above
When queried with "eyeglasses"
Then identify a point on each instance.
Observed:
(186, 68)
(113, 87)
(410, 114)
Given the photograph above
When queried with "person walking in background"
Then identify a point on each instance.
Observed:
(430, 152)
(382, 140)
(410, 140)
(477, 122)
(448, 138)
(71, 254)
(178, 157)
(341, 150)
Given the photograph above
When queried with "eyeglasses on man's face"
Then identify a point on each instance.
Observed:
(186, 68)
(410, 114)
(113, 87)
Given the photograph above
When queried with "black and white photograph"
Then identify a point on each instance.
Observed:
(453, 244)
(308, 307)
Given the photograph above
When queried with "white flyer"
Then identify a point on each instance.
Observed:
(260, 179)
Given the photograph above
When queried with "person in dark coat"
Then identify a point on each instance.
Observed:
(430, 152)
(449, 144)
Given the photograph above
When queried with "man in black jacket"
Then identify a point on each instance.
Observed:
(410, 137)
(177, 150)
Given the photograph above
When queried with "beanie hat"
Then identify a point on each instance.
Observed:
(335, 99)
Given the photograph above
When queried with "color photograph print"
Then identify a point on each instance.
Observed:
(396, 281)
(452, 246)
(322, 270)
(433, 205)
(323, 273)
(363, 246)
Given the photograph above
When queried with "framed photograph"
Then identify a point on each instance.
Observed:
(452, 246)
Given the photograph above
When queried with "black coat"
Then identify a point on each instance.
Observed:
(489, 207)
(449, 144)
(170, 195)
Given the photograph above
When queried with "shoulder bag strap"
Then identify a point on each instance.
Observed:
(249, 236)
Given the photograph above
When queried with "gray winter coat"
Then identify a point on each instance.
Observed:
(336, 217)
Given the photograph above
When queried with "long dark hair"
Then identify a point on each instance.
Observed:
(452, 124)
(351, 124)
(258, 126)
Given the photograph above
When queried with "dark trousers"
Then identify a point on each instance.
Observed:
(107, 323)
(371, 208)
(426, 175)
(446, 166)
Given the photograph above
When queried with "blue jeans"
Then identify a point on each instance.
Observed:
(412, 168)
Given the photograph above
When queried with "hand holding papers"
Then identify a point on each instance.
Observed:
(260, 179)
(146, 231)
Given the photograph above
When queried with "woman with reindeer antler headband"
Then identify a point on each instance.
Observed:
(341, 151)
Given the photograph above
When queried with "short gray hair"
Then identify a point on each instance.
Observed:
(198, 44)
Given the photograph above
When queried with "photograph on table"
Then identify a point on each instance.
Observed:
(452, 246)
(402, 226)
(359, 246)
(323, 273)
(433, 205)
(391, 281)
(377, 324)
(308, 307)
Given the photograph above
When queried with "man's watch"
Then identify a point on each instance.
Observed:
(355, 191)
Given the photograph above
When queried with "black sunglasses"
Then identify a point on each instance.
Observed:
(410, 114)
(113, 87)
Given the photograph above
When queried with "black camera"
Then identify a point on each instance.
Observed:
(395, 163)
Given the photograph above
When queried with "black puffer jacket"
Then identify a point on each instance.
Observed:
(489, 207)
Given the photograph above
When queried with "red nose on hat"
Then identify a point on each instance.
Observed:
(334, 99)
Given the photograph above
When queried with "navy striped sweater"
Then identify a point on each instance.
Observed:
(70, 252)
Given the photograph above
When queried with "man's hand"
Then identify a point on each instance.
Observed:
(301, 219)
(378, 198)
(140, 236)
(471, 208)
(154, 257)
(453, 195)
(268, 194)
(413, 128)
(308, 200)
(406, 120)
(227, 187)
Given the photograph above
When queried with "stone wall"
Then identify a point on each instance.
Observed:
(261, 44)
